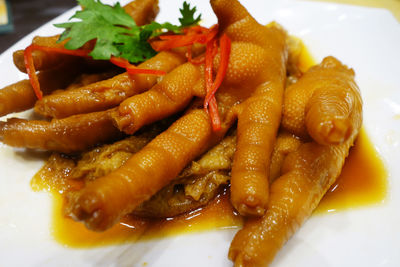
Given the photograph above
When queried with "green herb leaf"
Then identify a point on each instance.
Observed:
(106, 24)
(115, 32)
(187, 13)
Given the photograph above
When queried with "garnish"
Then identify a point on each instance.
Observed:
(188, 15)
(210, 101)
(132, 69)
(116, 33)
(190, 36)
(198, 34)
(215, 120)
(30, 67)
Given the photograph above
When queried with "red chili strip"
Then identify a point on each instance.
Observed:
(183, 40)
(215, 120)
(132, 69)
(196, 29)
(225, 50)
(30, 69)
(213, 109)
(145, 71)
(212, 33)
(189, 56)
(209, 65)
(120, 62)
(30, 66)
(78, 52)
(198, 34)
(170, 37)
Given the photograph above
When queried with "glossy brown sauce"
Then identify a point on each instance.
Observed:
(219, 214)
(363, 182)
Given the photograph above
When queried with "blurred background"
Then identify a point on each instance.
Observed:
(26, 16)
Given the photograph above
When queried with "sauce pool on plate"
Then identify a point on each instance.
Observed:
(219, 214)
(363, 182)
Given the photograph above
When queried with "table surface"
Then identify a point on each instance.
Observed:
(28, 15)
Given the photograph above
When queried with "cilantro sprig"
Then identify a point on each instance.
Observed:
(187, 18)
(116, 33)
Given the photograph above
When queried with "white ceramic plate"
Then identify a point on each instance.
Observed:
(366, 39)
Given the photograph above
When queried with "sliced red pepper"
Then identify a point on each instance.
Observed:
(212, 33)
(170, 37)
(197, 61)
(135, 70)
(30, 67)
(183, 40)
(215, 120)
(198, 34)
(225, 50)
(78, 52)
(209, 65)
(132, 69)
(120, 62)
(212, 109)
(196, 29)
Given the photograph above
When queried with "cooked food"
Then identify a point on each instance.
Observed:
(163, 158)
(306, 173)
(68, 173)
(169, 96)
(142, 11)
(72, 134)
(89, 78)
(205, 108)
(320, 104)
(145, 173)
(258, 121)
(284, 145)
(42, 60)
(20, 96)
(108, 93)
(194, 187)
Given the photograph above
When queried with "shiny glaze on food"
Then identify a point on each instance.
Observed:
(363, 182)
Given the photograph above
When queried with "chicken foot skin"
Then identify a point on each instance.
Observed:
(169, 96)
(108, 93)
(41, 60)
(249, 187)
(284, 145)
(68, 135)
(306, 175)
(20, 96)
(103, 202)
(258, 116)
(319, 105)
(166, 60)
(260, 239)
